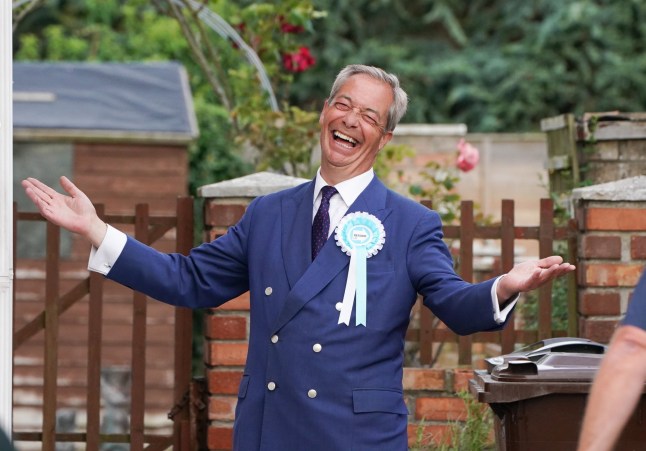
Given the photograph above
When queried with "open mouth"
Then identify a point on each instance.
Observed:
(344, 140)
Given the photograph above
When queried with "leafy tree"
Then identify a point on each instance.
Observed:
(495, 65)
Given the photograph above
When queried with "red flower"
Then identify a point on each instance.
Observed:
(287, 27)
(468, 156)
(298, 61)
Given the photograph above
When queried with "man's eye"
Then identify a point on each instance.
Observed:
(342, 106)
(370, 119)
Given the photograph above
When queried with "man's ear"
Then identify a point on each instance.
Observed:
(325, 105)
(385, 139)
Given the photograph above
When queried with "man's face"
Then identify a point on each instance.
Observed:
(352, 128)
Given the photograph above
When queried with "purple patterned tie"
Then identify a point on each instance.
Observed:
(321, 224)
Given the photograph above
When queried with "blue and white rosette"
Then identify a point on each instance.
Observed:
(359, 235)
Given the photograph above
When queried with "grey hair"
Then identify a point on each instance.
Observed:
(400, 98)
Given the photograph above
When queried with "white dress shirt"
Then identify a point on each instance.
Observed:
(102, 258)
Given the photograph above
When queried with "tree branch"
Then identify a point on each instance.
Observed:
(32, 5)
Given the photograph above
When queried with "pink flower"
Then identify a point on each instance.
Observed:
(298, 61)
(468, 156)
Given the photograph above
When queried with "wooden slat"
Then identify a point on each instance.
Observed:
(95, 338)
(507, 262)
(425, 334)
(573, 313)
(493, 232)
(51, 337)
(183, 332)
(38, 322)
(467, 228)
(521, 336)
(545, 249)
(138, 346)
(155, 440)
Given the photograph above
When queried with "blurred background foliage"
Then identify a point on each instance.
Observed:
(495, 65)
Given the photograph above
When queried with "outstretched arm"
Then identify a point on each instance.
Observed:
(616, 390)
(74, 212)
(530, 275)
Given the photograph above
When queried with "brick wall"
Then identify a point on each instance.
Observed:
(612, 252)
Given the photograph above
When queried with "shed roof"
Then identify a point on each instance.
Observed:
(122, 101)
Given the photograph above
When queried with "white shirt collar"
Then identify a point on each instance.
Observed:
(349, 189)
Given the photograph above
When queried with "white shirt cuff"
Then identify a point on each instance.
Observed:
(498, 315)
(103, 257)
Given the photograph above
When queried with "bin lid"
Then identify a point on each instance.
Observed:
(557, 365)
(536, 351)
(553, 366)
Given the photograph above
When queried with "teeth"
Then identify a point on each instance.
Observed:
(345, 137)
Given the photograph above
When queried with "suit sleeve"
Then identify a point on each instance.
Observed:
(210, 275)
(636, 313)
(464, 307)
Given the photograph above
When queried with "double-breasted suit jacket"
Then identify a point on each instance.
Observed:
(310, 383)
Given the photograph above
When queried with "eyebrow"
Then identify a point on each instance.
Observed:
(364, 109)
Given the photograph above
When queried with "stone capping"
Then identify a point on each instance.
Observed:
(631, 189)
(430, 130)
(251, 186)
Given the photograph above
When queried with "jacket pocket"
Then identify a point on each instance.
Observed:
(244, 384)
(378, 400)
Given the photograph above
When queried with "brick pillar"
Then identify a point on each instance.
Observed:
(227, 327)
(612, 252)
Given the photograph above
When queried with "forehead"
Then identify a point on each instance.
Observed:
(367, 92)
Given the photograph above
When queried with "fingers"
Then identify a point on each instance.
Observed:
(555, 270)
(38, 192)
(70, 187)
(550, 261)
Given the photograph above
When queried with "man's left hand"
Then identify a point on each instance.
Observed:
(530, 275)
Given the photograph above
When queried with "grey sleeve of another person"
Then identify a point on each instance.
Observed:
(5, 443)
(636, 313)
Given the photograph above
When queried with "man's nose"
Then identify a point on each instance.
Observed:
(352, 118)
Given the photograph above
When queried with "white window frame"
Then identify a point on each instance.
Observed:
(6, 216)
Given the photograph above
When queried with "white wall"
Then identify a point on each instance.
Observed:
(6, 213)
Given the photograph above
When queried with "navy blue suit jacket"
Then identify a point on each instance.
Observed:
(310, 383)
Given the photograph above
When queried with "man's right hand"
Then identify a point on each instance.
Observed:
(74, 212)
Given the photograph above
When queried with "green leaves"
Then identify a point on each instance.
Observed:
(497, 66)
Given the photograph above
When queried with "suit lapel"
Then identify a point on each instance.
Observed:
(297, 233)
(308, 278)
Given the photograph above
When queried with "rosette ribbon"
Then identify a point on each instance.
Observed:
(360, 235)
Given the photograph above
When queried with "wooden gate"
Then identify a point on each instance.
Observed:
(546, 234)
(44, 328)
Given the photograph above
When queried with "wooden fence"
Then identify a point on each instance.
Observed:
(147, 229)
(546, 233)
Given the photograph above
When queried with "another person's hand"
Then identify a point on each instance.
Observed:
(74, 212)
(530, 275)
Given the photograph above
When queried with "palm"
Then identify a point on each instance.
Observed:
(73, 212)
(527, 276)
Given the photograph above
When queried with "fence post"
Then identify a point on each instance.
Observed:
(507, 243)
(183, 334)
(95, 336)
(51, 337)
(138, 392)
(467, 235)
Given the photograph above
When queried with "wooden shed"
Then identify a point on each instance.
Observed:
(121, 132)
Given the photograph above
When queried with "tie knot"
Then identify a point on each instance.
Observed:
(327, 192)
